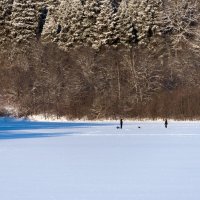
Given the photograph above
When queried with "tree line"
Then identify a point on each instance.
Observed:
(135, 59)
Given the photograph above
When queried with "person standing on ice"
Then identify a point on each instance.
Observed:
(121, 123)
(166, 123)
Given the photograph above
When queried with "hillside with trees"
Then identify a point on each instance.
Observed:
(101, 58)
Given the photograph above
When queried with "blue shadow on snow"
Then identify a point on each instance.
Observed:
(8, 125)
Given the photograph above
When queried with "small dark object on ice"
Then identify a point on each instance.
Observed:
(117, 127)
(139, 127)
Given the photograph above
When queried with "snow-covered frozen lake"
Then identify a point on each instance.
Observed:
(96, 161)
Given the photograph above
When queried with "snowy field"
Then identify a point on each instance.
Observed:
(96, 161)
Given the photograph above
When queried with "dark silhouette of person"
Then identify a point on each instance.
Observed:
(166, 123)
(121, 123)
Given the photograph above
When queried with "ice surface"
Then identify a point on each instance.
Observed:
(96, 161)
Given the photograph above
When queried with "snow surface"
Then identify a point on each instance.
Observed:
(96, 161)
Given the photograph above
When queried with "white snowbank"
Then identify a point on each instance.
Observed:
(53, 118)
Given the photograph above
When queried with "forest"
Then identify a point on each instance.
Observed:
(100, 59)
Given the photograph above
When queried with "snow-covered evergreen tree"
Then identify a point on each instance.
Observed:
(105, 25)
(5, 20)
(70, 24)
(125, 26)
(144, 16)
(49, 32)
(90, 14)
(24, 20)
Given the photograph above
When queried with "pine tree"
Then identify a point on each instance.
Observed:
(125, 26)
(90, 13)
(5, 20)
(49, 33)
(105, 25)
(144, 17)
(23, 20)
(71, 28)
